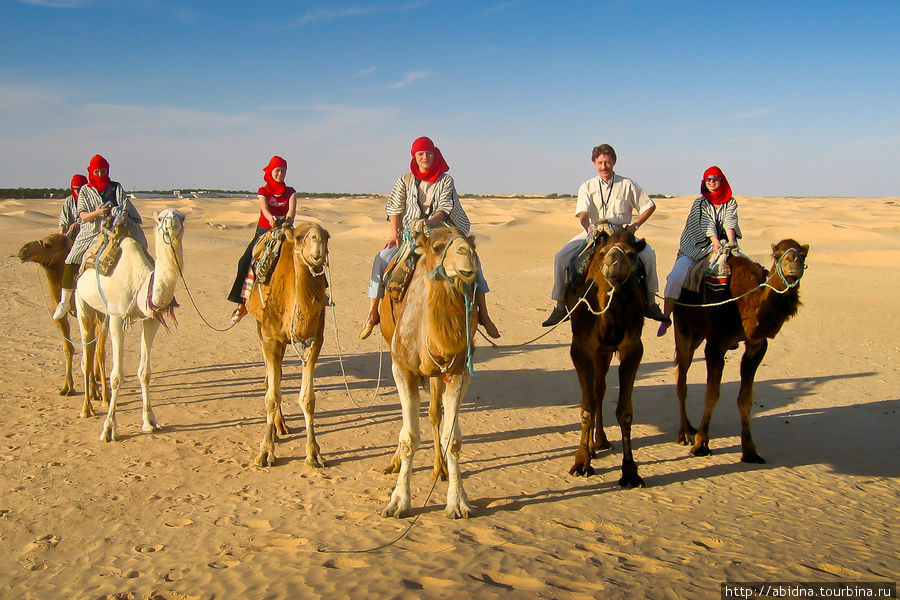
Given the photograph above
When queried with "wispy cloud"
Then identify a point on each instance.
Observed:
(411, 77)
(324, 15)
(753, 114)
(491, 10)
(366, 72)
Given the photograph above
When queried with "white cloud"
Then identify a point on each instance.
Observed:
(753, 114)
(411, 77)
(58, 3)
(366, 72)
(324, 15)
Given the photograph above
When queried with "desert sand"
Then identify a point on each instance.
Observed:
(184, 514)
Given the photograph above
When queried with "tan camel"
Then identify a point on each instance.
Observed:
(430, 332)
(290, 310)
(50, 254)
(611, 322)
(138, 290)
(764, 302)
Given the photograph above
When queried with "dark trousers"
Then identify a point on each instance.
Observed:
(243, 267)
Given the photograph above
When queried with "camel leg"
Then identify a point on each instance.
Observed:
(630, 354)
(435, 414)
(753, 356)
(273, 352)
(281, 427)
(68, 388)
(100, 360)
(87, 324)
(308, 404)
(715, 363)
(584, 366)
(148, 332)
(685, 346)
(117, 335)
(599, 441)
(410, 436)
(457, 502)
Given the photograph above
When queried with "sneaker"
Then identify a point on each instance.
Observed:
(663, 328)
(62, 309)
(652, 312)
(238, 314)
(558, 314)
(368, 327)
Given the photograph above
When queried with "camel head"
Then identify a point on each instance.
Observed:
(620, 255)
(46, 251)
(448, 255)
(310, 242)
(170, 224)
(790, 259)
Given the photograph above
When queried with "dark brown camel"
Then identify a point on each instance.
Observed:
(610, 322)
(764, 302)
(50, 253)
(430, 332)
(290, 311)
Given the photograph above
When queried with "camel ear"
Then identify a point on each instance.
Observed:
(774, 251)
(640, 244)
(156, 216)
(288, 234)
(805, 249)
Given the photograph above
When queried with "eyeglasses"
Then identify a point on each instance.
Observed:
(713, 179)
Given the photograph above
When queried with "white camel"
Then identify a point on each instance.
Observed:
(135, 292)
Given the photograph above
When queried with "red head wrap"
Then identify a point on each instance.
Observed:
(78, 180)
(439, 166)
(98, 183)
(272, 187)
(721, 195)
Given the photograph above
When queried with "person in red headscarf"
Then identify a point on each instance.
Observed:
(426, 192)
(712, 217)
(68, 213)
(97, 199)
(276, 200)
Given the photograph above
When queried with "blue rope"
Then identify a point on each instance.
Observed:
(468, 336)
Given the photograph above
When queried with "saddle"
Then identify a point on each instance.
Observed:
(597, 239)
(104, 253)
(711, 273)
(400, 270)
(264, 257)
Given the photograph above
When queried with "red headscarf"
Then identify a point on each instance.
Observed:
(98, 183)
(78, 180)
(438, 167)
(272, 187)
(721, 195)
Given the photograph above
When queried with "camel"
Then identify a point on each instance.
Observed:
(50, 254)
(136, 291)
(611, 322)
(430, 332)
(290, 309)
(765, 300)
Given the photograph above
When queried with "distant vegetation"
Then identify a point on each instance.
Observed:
(33, 193)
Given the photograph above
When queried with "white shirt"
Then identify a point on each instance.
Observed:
(616, 202)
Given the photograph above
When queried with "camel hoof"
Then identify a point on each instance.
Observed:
(67, 390)
(315, 461)
(753, 459)
(684, 439)
(108, 435)
(701, 451)
(600, 447)
(439, 474)
(581, 470)
(265, 459)
(151, 428)
(461, 511)
(282, 429)
(391, 469)
(87, 412)
(630, 481)
(393, 510)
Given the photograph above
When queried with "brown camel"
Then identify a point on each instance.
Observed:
(290, 310)
(609, 319)
(50, 254)
(764, 302)
(430, 332)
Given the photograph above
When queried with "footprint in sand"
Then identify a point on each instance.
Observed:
(426, 582)
(148, 548)
(46, 542)
(172, 596)
(179, 523)
(175, 574)
(710, 543)
(510, 582)
(258, 524)
(32, 564)
(223, 564)
(290, 543)
(344, 563)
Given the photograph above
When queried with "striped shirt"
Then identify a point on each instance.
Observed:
(404, 200)
(90, 200)
(68, 214)
(704, 221)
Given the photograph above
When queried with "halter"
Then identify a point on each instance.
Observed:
(309, 266)
(440, 271)
(780, 271)
(165, 224)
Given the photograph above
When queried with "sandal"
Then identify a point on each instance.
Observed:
(238, 314)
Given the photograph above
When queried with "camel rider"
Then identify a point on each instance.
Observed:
(613, 199)
(95, 201)
(68, 213)
(427, 192)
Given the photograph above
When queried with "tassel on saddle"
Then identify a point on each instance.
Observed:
(597, 239)
(399, 272)
(266, 253)
(106, 250)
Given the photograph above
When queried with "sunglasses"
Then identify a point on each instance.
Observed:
(712, 179)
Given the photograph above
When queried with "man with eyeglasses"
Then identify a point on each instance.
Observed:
(613, 200)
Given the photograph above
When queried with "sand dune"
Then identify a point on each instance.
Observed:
(184, 514)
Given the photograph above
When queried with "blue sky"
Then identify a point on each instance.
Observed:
(788, 98)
